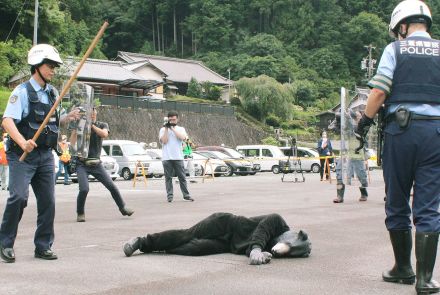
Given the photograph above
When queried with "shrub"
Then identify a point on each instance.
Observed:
(273, 120)
(270, 140)
(235, 101)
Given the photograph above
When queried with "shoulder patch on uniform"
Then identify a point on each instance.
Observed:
(13, 98)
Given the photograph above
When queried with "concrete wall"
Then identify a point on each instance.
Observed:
(143, 125)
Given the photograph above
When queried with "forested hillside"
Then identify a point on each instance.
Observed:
(304, 50)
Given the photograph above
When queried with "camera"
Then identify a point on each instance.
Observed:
(167, 124)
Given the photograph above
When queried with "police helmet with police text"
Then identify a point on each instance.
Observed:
(43, 52)
(413, 11)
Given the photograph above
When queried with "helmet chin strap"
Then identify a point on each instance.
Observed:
(403, 34)
(41, 76)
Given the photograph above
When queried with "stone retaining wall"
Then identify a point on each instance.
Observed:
(143, 125)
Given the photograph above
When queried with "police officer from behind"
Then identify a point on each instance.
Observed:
(28, 105)
(408, 84)
(93, 166)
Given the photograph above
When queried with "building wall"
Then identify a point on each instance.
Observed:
(149, 73)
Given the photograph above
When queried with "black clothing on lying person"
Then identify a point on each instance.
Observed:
(220, 233)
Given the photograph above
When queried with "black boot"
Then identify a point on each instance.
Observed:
(340, 190)
(402, 271)
(364, 194)
(426, 251)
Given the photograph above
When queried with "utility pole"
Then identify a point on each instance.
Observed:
(368, 63)
(36, 24)
(229, 85)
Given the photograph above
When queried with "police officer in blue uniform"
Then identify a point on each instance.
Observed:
(28, 105)
(407, 83)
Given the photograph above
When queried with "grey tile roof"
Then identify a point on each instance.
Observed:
(176, 70)
(92, 70)
(102, 70)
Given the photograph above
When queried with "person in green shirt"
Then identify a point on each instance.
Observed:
(187, 155)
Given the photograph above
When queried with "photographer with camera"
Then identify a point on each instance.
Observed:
(171, 137)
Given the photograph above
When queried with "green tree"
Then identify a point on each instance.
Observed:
(305, 92)
(194, 89)
(262, 45)
(263, 95)
(362, 30)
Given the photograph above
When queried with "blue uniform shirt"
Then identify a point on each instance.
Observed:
(386, 67)
(18, 104)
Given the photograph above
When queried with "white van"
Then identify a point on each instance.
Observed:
(268, 156)
(127, 153)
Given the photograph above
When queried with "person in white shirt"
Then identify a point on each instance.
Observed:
(171, 137)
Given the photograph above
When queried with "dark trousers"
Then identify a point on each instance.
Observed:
(171, 168)
(218, 233)
(321, 170)
(206, 237)
(38, 171)
(102, 176)
(411, 158)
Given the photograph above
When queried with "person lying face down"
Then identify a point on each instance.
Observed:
(258, 237)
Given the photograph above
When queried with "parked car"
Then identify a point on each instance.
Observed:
(128, 154)
(231, 153)
(309, 158)
(110, 166)
(157, 155)
(238, 166)
(208, 166)
(267, 156)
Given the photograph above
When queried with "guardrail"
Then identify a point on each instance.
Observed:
(121, 101)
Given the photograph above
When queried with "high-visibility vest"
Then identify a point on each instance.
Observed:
(65, 156)
(3, 160)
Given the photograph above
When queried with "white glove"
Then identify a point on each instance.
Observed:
(256, 257)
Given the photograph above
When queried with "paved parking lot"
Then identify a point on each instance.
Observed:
(349, 240)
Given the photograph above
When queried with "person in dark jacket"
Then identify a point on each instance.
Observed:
(325, 149)
(257, 237)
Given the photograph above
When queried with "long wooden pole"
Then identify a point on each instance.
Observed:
(68, 85)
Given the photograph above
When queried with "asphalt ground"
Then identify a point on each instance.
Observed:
(350, 244)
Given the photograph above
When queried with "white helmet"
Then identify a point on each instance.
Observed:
(406, 9)
(40, 52)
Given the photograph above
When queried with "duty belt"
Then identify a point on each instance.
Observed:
(403, 117)
(392, 117)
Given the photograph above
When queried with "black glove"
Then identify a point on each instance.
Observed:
(363, 127)
(256, 257)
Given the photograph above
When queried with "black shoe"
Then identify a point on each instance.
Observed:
(131, 246)
(67, 183)
(170, 199)
(45, 254)
(81, 218)
(126, 211)
(7, 254)
(188, 198)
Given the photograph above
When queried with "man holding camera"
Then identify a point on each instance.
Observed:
(171, 136)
